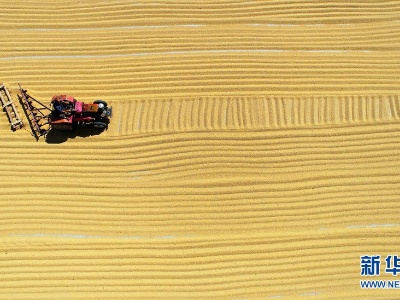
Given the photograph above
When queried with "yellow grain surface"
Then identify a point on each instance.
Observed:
(253, 151)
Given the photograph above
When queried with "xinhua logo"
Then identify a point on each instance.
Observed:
(370, 265)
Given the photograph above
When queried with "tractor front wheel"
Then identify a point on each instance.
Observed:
(100, 102)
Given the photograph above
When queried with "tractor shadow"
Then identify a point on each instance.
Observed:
(55, 136)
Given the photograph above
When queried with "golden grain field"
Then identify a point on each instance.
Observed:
(253, 151)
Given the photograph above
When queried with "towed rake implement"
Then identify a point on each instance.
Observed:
(37, 113)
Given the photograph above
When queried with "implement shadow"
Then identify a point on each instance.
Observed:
(55, 136)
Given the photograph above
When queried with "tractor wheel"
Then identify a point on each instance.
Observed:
(100, 102)
(63, 127)
(100, 125)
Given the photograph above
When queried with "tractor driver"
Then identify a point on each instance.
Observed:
(61, 108)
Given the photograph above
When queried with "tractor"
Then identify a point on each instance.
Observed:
(68, 113)
(64, 113)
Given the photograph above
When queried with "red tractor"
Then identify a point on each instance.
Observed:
(67, 113)
(64, 113)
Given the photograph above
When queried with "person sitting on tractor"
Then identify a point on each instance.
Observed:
(62, 109)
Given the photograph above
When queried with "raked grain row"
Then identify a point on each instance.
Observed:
(34, 14)
(120, 40)
(204, 74)
(196, 182)
(188, 267)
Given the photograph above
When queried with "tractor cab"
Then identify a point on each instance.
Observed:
(62, 105)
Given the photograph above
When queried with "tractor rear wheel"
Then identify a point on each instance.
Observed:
(100, 125)
(63, 127)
